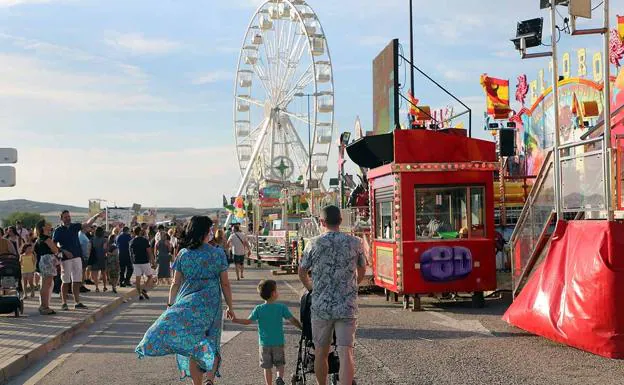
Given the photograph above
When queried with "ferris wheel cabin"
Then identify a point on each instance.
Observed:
(432, 204)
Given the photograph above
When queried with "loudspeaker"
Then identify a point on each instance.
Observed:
(507, 144)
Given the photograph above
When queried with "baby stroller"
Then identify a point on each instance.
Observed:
(11, 281)
(304, 372)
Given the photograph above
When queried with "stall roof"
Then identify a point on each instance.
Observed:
(372, 151)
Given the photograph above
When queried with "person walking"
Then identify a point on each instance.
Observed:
(143, 258)
(97, 260)
(22, 232)
(85, 246)
(337, 264)
(125, 263)
(191, 325)
(112, 261)
(66, 237)
(240, 246)
(47, 262)
(14, 238)
(162, 246)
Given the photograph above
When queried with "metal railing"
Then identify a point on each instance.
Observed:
(582, 194)
(269, 248)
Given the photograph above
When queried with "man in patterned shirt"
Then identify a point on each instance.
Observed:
(337, 264)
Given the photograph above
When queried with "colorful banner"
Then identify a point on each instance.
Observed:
(620, 21)
(497, 96)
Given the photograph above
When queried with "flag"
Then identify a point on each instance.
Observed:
(497, 96)
(413, 102)
(620, 28)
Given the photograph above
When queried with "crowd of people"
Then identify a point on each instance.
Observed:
(71, 256)
(195, 262)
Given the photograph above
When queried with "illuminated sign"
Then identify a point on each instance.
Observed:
(385, 263)
(444, 263)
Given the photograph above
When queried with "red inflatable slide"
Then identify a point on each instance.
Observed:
(576, 295)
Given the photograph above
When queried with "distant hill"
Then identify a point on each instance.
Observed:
(51, 210)
(10, 206)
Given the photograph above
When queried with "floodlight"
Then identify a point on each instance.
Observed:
(546, 3)
(333, 182)
(511, 124)
(529, 34)
(493, 126)
(344, 137)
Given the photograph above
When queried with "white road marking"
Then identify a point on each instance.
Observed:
(472, 326)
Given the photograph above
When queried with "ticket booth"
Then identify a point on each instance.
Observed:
(432, 209)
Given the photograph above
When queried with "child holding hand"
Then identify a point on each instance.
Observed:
(270, 317)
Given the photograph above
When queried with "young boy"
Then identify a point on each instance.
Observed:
(270, 316)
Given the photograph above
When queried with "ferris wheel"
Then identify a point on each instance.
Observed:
(283, 96)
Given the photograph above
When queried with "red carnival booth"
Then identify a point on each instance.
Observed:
(432, 204)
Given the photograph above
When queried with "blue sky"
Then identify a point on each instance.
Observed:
(131, 101)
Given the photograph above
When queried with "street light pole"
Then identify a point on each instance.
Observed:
(411, 15)
(555, 80)
(309, 147)
(606, 145)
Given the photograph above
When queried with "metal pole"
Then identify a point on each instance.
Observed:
(309, 147)
(555, 77)
(606, 146)
(341, 149)
(411, 16)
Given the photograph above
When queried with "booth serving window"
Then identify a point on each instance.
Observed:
(384, 224)
(450, 212)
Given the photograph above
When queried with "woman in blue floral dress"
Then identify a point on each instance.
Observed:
(191, 326)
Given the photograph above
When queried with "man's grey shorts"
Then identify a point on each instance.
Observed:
(272, 356)
(323, 332)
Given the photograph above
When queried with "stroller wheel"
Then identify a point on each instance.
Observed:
(21, 308)
(334, 379)
(17, 314)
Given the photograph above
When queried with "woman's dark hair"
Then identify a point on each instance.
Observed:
(25, 247)
(40, 226)
(266, 289)
(99, 232)
(196, 231)
(13, 229)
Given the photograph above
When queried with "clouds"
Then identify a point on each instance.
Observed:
(213, 77)
(156, 177)
(137, 44)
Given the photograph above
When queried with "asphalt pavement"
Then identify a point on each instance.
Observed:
(448, 343)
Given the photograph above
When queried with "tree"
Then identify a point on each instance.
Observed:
(29, 220)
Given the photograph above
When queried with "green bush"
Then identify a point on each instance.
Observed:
(29, 220)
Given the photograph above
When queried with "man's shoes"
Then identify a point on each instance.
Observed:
(123, 284)
(79, 305)
(279, 381)
(145, 294)
(141, 298)
(89, 282)
(64, 307)
(84, 289)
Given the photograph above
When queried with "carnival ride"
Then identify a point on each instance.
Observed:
(284, 59)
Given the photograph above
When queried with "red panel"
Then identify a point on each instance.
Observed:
(575, 295)
(424, 146)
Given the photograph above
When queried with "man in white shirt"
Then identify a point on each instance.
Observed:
(240, 246)
(22, 232)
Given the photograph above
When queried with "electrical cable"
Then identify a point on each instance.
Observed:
(598, 6)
